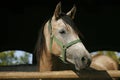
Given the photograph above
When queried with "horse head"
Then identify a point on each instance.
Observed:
(62, 39)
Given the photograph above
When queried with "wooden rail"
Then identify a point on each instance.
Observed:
(57, 74)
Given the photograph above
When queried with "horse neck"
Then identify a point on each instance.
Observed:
(45, 62)
(49, 62)
(45, 57)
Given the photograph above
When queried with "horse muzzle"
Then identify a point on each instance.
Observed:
(80, 57)
(80, 62)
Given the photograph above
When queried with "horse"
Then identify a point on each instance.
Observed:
(104, 62)
(59, 46)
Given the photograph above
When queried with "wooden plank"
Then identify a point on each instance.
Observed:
(20, 68)
(56, 74)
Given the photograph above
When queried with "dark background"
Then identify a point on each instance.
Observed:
(98, 21)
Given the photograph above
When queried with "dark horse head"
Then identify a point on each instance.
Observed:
(60, 38)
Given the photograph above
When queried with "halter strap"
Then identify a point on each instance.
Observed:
(62, 46)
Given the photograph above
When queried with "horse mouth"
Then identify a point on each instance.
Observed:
(80, 63)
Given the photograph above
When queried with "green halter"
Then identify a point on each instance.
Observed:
(63, 46)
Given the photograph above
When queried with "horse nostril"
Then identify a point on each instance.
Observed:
(86, 61)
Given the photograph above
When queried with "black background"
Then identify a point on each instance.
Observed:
(98, 21)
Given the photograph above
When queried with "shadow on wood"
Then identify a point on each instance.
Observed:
(91, 75)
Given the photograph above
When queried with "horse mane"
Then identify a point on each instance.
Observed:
(41, 44)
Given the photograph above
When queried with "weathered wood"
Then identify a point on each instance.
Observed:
(55, 74)
(20, 68)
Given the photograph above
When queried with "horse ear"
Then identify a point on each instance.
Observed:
(72, 12)
(57, 10)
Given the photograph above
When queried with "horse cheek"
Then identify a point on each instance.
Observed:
(56, 49)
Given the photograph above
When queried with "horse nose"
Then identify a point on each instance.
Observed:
(86, 61)
(82, 63)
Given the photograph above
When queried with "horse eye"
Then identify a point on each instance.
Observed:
(62, 32)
